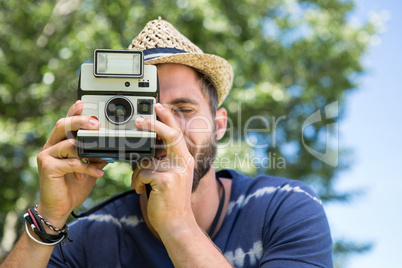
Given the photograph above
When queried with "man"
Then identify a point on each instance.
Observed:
(193, 217)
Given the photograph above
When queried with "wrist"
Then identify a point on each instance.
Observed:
(47, 236)
(55, 221)
(179, 230)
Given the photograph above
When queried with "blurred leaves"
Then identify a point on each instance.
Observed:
(342, 250)
(291, 58)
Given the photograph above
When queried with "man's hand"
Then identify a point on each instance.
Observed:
(65, 180)
(169, 205)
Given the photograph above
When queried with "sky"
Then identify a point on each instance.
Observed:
(372, 128)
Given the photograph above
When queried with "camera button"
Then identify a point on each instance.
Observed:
(143, 84)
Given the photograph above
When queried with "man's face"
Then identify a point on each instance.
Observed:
(180, 91)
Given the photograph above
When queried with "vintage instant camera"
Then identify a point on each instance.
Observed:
(116, 89)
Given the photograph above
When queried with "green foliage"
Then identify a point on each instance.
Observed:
(290, 59)
(342, 249)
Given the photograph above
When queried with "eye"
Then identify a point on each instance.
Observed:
(183, 110)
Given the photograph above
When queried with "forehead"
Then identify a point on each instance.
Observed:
(178, 81)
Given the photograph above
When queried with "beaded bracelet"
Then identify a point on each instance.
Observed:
(64, 229)
(33, 219)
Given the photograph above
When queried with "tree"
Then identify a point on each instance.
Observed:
(291, 58)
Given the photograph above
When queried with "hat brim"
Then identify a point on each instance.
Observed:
(217, 69)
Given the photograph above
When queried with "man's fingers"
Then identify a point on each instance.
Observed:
(76, 108)
(172, 137)
(64, 149)
(166, 116)
(142, 177)
(139, 188)
(64, 126)
(101, 164)
(153, 172)
(98, 165)
(75, 165)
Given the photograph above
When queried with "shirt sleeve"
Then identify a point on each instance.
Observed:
(296, 231)
(73, 253)
(57, 259)
(61, 256)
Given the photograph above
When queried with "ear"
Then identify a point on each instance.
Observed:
(221, 122)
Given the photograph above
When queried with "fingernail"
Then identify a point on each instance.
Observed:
(99, 171)
(93, 122)
(159, 106)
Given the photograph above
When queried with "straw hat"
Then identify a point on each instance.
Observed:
(162, 43)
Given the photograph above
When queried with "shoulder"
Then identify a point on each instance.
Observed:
(258, 181)
(267, 191)
(289, 221)
(113, 203)
(97, 230)
(116, 211)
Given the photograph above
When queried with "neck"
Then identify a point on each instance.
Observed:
(205, 200)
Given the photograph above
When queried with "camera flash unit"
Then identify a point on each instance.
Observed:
(118, 63)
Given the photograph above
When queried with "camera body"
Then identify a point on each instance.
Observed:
(117, 97)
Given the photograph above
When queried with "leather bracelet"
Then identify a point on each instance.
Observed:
(48, 224)
(40, 242)
(33, 219)
(46, 239)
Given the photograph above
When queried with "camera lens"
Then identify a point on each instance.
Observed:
(119, 110)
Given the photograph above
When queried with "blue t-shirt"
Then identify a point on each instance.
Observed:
(270, 222)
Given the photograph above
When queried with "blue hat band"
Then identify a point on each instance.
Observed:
(158, 52)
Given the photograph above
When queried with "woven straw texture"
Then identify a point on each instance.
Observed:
(160, 33)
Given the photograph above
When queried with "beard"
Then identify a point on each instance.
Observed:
(204, 156)
(204, 159)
